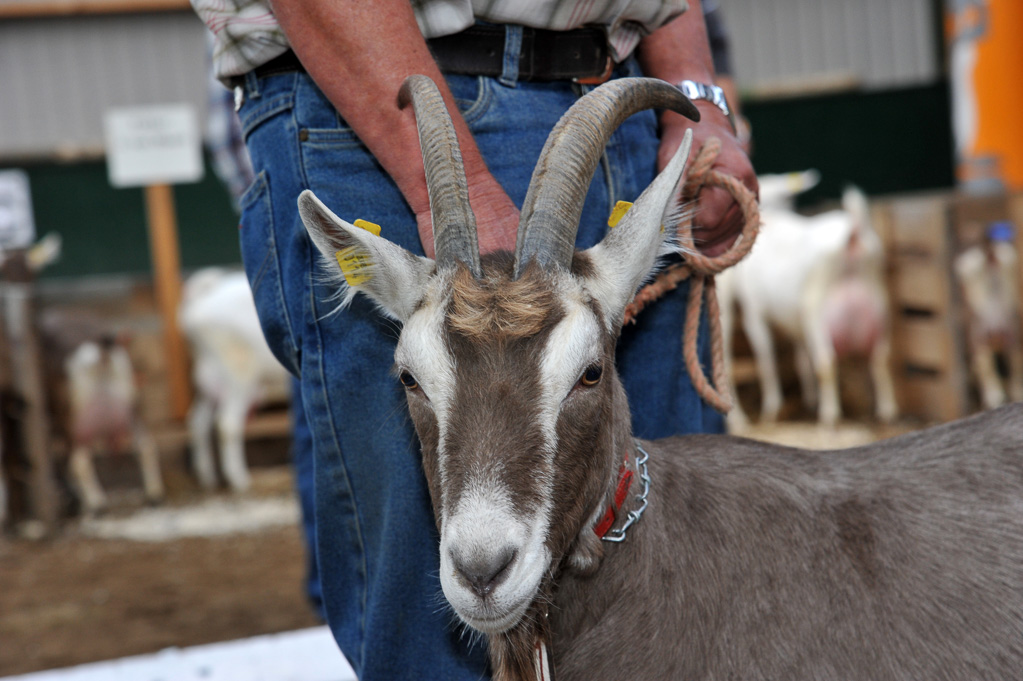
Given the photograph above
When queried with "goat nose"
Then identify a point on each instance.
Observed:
(483, 573)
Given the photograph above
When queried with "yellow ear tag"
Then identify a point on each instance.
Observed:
(368, 226)
(618, 212)
(794, 181)
(352, 262)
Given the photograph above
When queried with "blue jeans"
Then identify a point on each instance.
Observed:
(305, 486)
(377, 543)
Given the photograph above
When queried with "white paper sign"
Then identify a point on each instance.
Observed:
(153, 145)
(17, 224)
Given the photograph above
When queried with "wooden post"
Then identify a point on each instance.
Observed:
(27, 381)
(164, 253)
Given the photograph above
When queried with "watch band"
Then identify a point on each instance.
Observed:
(709, 93)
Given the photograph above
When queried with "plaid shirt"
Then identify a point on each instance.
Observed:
(247, 34)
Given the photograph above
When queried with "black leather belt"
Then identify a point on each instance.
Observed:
(581, 55)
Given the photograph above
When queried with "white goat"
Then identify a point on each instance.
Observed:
(103, 410)
(900, 560)
(989, 280)
(818, 280)
(233, 370)
(778, 191)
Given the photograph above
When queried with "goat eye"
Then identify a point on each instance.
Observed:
(592, 375)
(408, 380)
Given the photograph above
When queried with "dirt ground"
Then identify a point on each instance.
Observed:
(77, 599)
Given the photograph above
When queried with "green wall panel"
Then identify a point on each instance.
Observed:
(885, 141)
(104, 229)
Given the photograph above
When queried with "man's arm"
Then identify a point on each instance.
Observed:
(359, 53)
(677, 51)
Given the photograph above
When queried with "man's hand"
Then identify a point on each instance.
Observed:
(719, 220)
(361, 77)
(674, 52)
(497, 218)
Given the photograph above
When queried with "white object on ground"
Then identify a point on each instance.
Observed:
(210, 518)
(304, 655)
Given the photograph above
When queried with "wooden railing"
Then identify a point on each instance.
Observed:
(27, 9)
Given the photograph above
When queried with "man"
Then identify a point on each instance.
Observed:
(317, 83)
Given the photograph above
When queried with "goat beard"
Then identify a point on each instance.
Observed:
(513, 654)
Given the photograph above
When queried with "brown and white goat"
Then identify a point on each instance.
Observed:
(96, 403)
(988, 276)
(899, 560)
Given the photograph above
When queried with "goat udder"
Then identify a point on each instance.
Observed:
(110, 423)
(854, 319)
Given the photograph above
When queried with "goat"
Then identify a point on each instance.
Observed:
(94, 398)
(898, 560)
(103, 411)
(233, 370)
(95, 402)
(779, 190)
(820, 281)
(988, 275)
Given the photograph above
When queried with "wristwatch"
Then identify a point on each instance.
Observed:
(709, 93)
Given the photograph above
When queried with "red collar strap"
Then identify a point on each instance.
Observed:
(622, 490)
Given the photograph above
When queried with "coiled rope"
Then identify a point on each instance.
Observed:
(702, 270)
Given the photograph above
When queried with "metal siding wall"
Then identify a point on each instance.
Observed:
(58, 76)
(881, 43)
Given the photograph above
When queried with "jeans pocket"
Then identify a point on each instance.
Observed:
(262, 268)
(473, 96)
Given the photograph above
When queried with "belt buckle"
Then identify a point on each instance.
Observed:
(609, 68)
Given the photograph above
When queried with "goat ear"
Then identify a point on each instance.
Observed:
(855, 202)
(627, 255)
(358, 260)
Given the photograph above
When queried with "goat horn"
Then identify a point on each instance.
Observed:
(554, 201)
(454, 225)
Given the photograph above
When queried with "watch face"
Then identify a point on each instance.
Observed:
(711, 93)
(691, 89)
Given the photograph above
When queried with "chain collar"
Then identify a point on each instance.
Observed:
(541, 660)
(618, 535)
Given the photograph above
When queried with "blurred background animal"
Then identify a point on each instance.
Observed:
(95, 402)
(232, 367)
(818, 281)
(988, 276)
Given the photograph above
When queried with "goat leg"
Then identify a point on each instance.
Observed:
(884, 387)
(149, 462)
(231, 427)
(1015, 359)
(200, 423)
(988, 382)
(86, 481)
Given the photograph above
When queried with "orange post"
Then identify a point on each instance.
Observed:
(986, 69)
(166, 259)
